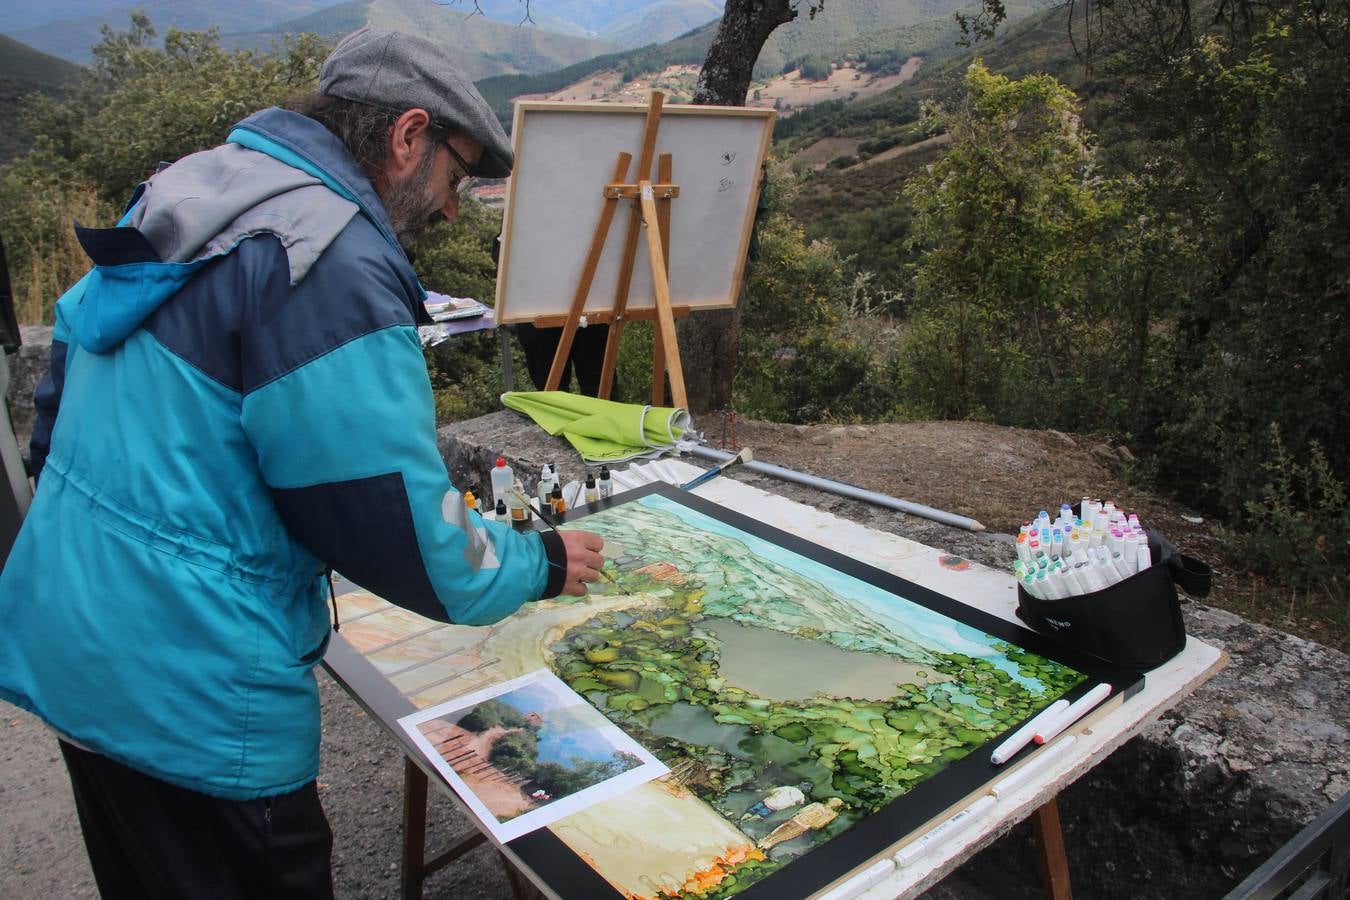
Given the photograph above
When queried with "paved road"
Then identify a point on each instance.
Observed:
(360, 780)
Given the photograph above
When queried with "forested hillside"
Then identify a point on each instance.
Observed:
(24, 72)
(1148, 248)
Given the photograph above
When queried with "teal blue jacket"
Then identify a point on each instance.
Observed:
(237, 401)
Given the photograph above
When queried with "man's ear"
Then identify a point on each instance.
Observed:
(406, 144)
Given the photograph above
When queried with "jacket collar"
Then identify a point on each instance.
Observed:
(307, 145)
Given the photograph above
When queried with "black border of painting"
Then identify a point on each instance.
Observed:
(570, 877)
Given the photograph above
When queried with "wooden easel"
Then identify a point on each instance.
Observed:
(651, 209)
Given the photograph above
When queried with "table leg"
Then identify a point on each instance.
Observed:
(521, 887)
(1050, 855)
(414, 830)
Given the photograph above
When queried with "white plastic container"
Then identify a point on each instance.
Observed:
(502, 480)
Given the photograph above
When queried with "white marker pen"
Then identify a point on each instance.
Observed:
(1033, 767)
(1079, 708)
(861, 882)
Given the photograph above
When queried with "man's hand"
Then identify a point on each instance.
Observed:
(583, 560)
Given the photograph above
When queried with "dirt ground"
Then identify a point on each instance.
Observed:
(1003, 476)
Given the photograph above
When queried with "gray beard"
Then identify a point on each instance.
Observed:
(411, 212)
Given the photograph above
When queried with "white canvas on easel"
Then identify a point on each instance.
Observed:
(565, 155)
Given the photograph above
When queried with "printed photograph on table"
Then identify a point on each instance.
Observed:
(529, 752)
(805, 703)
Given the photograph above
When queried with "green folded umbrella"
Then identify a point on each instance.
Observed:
(602, 431)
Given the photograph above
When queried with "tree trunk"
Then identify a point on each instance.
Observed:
(708, 340)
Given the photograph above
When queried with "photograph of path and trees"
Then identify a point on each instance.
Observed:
(528, 747)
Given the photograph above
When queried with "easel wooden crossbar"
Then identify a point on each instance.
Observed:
(650, 210)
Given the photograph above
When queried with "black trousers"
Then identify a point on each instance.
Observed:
(588, 355)
(150, 839)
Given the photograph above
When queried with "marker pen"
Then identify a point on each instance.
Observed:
(862, 881)
(914, 851)
(1057, 543)
(1079, 708)
(1106, 572)
(1033, 767)
(1045, 589)
(1087, 573)
(1131, 550)
(1118, 560)
(1023, 548)
(1073, 587)
(1062, 584)
(1029, 583)
(1143, 558)
(1022, 736)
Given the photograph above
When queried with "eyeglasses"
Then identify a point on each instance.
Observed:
(466, 171)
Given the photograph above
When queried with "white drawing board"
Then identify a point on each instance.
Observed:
(565, 155)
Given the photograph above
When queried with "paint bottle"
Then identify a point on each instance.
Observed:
(517, 506)
(502, 515)
(502, 480)
(606, 484)
(556, 501)
(592, 492)
(547, 479)
(470, 501)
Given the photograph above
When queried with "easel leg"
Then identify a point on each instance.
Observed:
(414, 830)
(1050, 855)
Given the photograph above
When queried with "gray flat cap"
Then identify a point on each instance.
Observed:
(398, 71)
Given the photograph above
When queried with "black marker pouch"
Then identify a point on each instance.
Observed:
(1135, 622)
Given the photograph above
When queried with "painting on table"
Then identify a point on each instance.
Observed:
(803, 702)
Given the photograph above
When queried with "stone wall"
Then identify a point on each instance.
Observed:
(26, 369)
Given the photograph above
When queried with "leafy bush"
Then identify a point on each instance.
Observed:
(1298, 531)
(516, 752)
(493, 713)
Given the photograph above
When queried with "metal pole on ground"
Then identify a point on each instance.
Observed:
(844, 490)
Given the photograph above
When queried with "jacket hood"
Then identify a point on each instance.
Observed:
(279, 172)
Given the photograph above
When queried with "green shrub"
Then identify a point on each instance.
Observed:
(1298, 530)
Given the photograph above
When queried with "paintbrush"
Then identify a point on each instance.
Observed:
(547, 519)
(744, 456)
